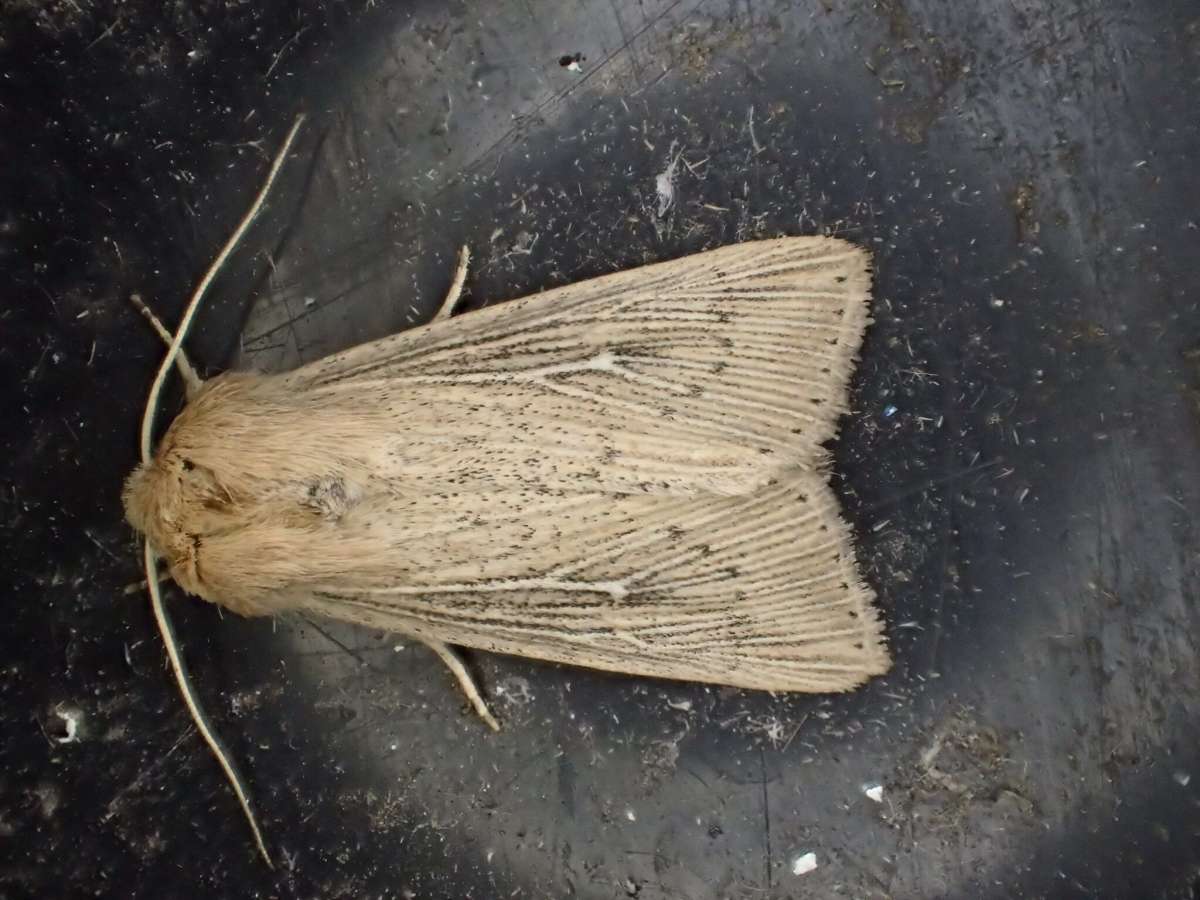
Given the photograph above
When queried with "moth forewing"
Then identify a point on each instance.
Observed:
(625, 474)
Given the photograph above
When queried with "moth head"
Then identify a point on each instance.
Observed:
(174, 502)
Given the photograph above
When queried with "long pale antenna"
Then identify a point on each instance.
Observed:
(160, 612)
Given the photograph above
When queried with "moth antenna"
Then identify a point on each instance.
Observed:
(465, 681)
(198, 294)
(456, 286)
(192, 381)
(189, 698)
(160, 612)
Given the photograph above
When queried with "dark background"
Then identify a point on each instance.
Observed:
(1021, 464)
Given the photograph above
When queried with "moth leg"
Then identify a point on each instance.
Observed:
(465, 681)
(191, 380)
(135, 587)
(456, 286)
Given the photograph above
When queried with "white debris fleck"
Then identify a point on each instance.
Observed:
(664, 182)
(573, 66)
(490, 854)
(681, 705)
(930, 753)
(70, 718)
(1183, 779)
(49, 799)
(515, 691)
(874, 792)
(804, 863)
(630, 814)
(397, 648)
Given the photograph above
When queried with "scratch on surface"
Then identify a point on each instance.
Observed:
(758, 148)
(925, 484)
(114, 805)
(279, 55)
(627, 42)
(349, 651)
(289, 324)
(578, 83)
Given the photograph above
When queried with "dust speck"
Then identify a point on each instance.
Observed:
(804, 863)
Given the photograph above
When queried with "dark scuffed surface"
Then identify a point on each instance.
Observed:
(1021, 466)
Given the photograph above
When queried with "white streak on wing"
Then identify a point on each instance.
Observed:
(601, 362)
(766, 293)
(615, 589)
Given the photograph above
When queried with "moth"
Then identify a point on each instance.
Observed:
(627, 473)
